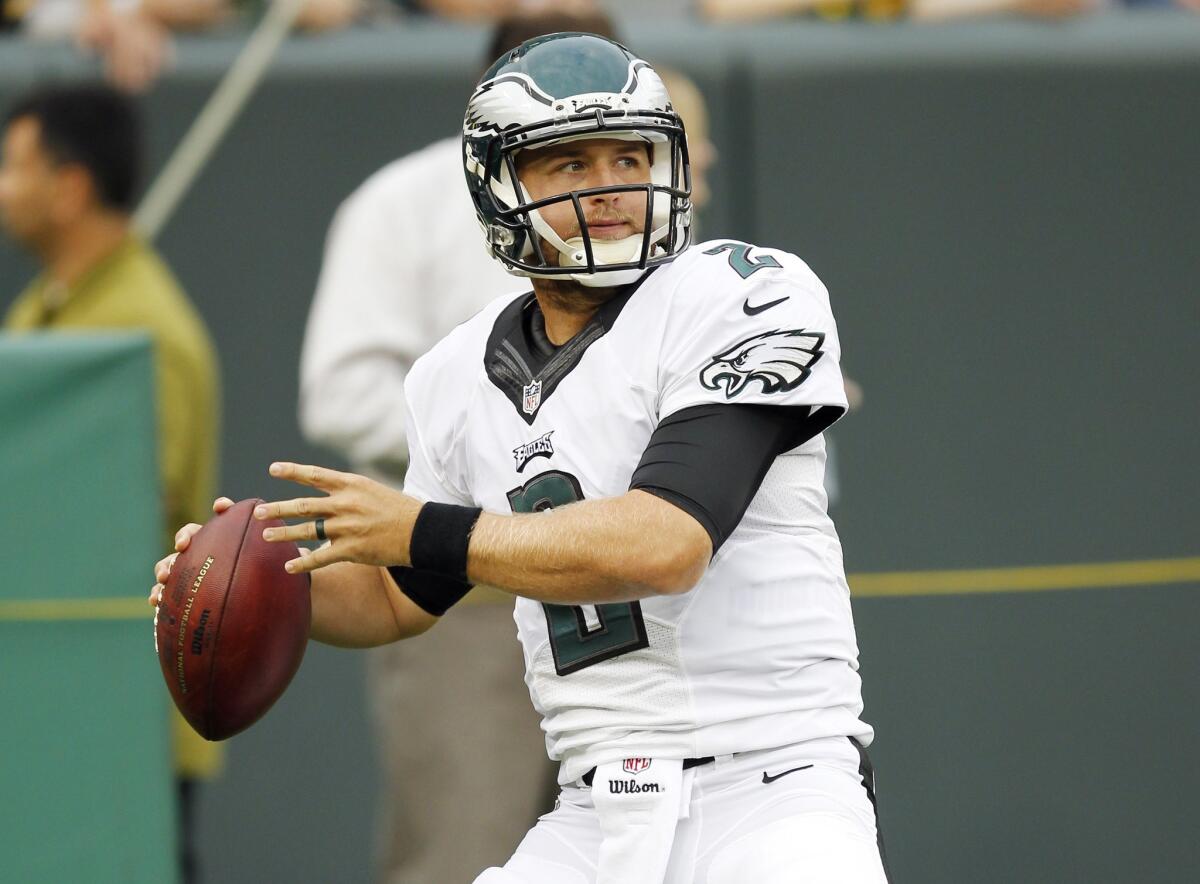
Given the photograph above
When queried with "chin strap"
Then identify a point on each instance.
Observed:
(603, 279)
(571, 253)
(622, 251)
(607, 251)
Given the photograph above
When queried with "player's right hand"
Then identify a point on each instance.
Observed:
(183, 537)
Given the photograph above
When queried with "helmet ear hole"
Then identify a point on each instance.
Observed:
(501, 236)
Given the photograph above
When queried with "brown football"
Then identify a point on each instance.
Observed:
(232, 624)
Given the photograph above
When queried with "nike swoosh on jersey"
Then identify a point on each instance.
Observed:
(754, 311)
(769, 779)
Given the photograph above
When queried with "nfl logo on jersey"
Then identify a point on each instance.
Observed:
(636, 765)
(533, 397)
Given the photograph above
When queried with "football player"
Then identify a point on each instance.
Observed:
(632, 449)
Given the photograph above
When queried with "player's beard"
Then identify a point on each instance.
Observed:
(572, 297)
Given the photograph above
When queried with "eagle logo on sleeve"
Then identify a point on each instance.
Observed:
(778, 360)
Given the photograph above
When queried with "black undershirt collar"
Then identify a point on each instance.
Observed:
(525, 365)
(539, 341)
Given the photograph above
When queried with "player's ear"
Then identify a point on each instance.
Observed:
(75, 191)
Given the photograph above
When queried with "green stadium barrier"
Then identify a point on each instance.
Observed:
(85, 780)
(1035, 737)
(1004, 217)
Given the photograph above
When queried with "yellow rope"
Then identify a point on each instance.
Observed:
(1102, 575)
(1095, 575)
(76, 609)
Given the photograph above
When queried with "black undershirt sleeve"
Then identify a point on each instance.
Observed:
(433, 593)
(709, 460)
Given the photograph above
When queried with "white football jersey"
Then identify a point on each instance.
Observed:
(762, 652)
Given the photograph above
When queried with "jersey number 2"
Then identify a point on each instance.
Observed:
(577, 643)
(740, 260)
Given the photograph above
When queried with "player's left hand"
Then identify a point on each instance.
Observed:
(363, 521)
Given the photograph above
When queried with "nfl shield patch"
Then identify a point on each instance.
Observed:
(636, 765)
(533, 397)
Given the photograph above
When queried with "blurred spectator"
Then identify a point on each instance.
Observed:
(133, 37)
(923, 10)
(937, 10)
(651, 9)
(318, 16)
(133, 47)
(71, 157)
(758, 10)
(497, 10)
(403, 266)
(11, 12)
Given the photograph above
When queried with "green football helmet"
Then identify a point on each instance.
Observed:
(563, 87)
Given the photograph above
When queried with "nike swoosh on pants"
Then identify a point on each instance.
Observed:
(770, 779)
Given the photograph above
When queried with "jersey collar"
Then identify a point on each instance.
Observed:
(525, 366)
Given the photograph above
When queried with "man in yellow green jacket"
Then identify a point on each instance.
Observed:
(67, 183)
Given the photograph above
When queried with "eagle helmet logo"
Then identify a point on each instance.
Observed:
(778, 360)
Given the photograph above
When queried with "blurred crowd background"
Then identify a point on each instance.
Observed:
(134, 38)
(1002, 197)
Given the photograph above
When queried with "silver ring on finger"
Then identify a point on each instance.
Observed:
(320, 528)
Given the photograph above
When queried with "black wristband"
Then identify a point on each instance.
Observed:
(440, 539)
(432, 593)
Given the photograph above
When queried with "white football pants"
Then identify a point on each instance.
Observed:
(796, 815)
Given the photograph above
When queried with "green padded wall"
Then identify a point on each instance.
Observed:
(1007, 233)
(1037, 737)
(85, 772)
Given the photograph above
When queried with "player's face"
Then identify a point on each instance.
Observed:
(579, 165)
(28, 184)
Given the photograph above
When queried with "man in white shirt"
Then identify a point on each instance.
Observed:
(394, 281)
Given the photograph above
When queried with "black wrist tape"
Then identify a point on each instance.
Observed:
(440, 539)
(432, 593)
